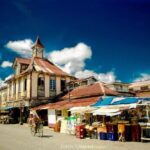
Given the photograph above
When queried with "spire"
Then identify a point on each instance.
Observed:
(37, 49)
(37, 43)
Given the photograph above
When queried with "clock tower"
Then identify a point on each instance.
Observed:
(37, 49)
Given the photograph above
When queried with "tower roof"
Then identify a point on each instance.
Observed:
(38, 43)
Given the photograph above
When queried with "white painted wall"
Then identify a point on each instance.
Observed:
(22, 86)
(34, 84)
(16, 89)
(28, 86)
(58, 88)
(51, 116)
(47, 80)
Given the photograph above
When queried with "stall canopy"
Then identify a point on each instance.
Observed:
(107, 112)
(112, 110)
(6, 108)
(111, 100)
(79, 109)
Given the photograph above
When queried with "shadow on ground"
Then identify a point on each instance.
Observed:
(47, 136)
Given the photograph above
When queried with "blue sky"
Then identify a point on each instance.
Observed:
(116, 32)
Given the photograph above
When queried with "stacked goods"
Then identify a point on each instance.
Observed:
(71, 125)
(136, 132)
(63, 128)
(57, 126)
(88, 129)
(112, 132)
(94, 134)
(121, 132)
(146, 132)
(80, 131)
(102, 131)
(128, 132)
(91, 132)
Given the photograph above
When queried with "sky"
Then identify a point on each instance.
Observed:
(109, 39)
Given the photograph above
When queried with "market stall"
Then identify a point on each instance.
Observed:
(113, 118)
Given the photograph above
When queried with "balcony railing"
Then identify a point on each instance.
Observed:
(41, 91)
(52, 93)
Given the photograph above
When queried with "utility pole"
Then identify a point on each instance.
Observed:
(68, 89)
(0, 106)
(21, 113)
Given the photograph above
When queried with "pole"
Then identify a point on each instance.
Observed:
(0, 108)
(21, 109)
(147, 112)
(68, 92)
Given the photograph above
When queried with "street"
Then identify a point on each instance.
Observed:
(17, 137)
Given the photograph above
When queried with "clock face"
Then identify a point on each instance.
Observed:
(39, 50)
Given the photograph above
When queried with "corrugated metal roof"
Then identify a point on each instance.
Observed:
(23, 60)
(68, 104)
(90, 90)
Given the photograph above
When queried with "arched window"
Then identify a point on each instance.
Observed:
(63, 84)
(52, 86)
(25, 84)
(41, 86)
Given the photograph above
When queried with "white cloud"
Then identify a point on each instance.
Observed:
(108, 77)
(6, 64)
(143, 77)
(71, 59)
(22, 47)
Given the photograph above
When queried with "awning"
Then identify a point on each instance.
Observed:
(66, 104)
(86, 109)
(112, 110)
(6, 108)
(107, 114)
(125, 100)
(111, 100)
(103, 101)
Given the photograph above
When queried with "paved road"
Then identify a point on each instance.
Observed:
(17, 137)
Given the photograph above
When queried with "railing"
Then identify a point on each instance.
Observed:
(41, 93)
(52, 93)
(22, 95)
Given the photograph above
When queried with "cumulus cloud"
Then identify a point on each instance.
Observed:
(22, 47)
(108, 77)
(142, 77)
(6, 64)
(71, 59)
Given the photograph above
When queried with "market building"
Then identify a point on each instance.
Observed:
(95, 111)
(3, 96)
(80, 96)
(36, 80)
(142, 88)
(121, 88)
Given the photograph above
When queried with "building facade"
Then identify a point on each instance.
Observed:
(3, 96)
(142, 89)
(121, 88)
(35, 80)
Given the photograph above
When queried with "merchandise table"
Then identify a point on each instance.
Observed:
(145, 133)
